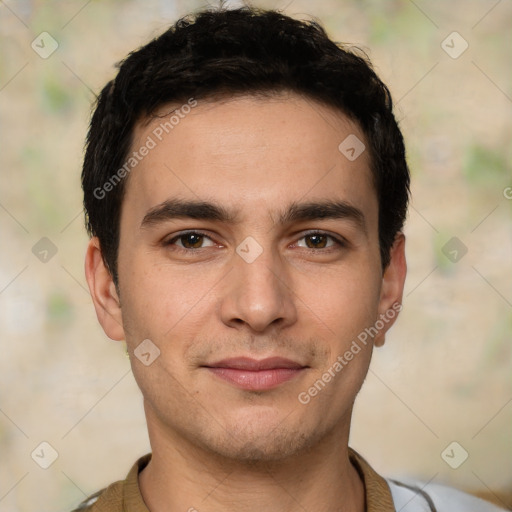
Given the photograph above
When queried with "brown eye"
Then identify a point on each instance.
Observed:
(316, 241)
(319, 240)
(190, 240)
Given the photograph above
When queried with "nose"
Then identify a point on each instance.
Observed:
(258, 294)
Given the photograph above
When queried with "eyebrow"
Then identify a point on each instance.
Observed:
(296, 212)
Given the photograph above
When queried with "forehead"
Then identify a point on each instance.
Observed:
(251, 152)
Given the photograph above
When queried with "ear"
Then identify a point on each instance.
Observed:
(393, 279)
(103, 292)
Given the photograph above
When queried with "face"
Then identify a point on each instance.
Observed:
(249, 257)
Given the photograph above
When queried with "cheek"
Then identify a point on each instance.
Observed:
(165, 316)
(346, 308)
(344, 300)
(157, 299)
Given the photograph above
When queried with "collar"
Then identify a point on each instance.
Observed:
(125, 496)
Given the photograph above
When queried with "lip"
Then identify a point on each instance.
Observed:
(247, 363)
(256, 375)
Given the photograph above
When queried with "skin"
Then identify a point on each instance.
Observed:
(216, 446)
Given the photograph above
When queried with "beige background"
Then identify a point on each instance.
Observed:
(444, 374)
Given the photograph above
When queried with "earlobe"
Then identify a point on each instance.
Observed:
(392, 288)
(103, 292)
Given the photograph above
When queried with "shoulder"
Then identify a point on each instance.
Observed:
(109, 499)
(413, 496)
(119, 496)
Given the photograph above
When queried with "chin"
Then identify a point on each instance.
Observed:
(256, 443)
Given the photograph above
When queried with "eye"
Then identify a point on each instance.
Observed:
(195, 240)
(190, 240)
(319, 240)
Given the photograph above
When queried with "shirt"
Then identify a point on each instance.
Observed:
(381, 495)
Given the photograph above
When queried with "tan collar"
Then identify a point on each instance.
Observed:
(377, 492)
(125, 496)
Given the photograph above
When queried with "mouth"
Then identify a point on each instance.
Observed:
(256, 375)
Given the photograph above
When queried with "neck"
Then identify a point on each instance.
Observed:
(184, 477)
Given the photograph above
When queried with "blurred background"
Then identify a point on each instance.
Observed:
(437, 403)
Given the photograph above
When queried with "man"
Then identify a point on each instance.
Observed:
(246, 187)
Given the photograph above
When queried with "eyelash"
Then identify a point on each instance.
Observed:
(339, 242)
